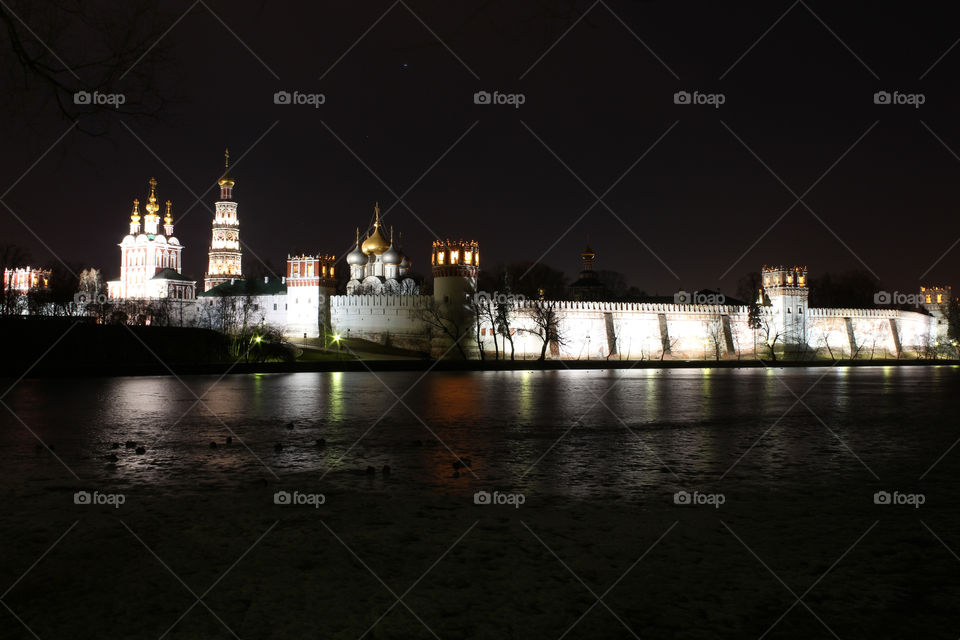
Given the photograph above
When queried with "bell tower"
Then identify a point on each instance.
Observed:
(225, 255)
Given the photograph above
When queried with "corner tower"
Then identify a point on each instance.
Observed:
(455, 266)
(225, 254)
(786, 293)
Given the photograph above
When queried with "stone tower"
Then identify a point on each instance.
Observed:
(455, 266)
(310, 283)
(785, 296)
(225, 255)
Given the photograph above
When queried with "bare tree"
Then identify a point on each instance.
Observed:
(481, 309)
(668, 347)
(770, 335)
(502, 315)
(754, 321)
(445, 320)
(714, 328)
(546, 321)
(60, 55)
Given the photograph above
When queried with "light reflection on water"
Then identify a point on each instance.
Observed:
(626, 431)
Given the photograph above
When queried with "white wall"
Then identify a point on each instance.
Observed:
(694, 330)
(386, 318)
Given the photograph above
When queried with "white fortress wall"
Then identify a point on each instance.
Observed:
(382, 318)
(599, 330)
(245, 310)
(869, 331)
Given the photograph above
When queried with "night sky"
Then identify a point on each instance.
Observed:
(696, 186)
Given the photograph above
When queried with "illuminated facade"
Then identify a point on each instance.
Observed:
(936, 297)
(785, 297)
(225, 255)
(378, 266)
(25, 279)
(150, 257)
(310, 285)
(455, 266)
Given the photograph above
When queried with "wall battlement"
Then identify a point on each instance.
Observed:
(640, 307)
(857, 313)
(380, 301)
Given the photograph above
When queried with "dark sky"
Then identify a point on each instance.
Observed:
(699, 199)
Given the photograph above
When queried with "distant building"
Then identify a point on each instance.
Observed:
(25, 279)
(225, 262)
(150, 258)
(588, 286)
(936, 298)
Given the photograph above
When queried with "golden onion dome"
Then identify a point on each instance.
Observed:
(375, 243)
(152, 207)
(226, 180)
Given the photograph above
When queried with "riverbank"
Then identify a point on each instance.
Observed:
(60, 369)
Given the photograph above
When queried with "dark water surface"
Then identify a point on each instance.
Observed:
(795, 456)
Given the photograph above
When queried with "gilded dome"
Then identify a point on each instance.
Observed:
(375, 242)
(225, 179)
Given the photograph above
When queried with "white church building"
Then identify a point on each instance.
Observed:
(151, 257)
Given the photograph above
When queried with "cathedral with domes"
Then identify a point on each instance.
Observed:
(378, 265)
(150, 257)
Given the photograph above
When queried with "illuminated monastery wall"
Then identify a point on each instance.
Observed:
(595, 330)
(385, 319)
(598, 330)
